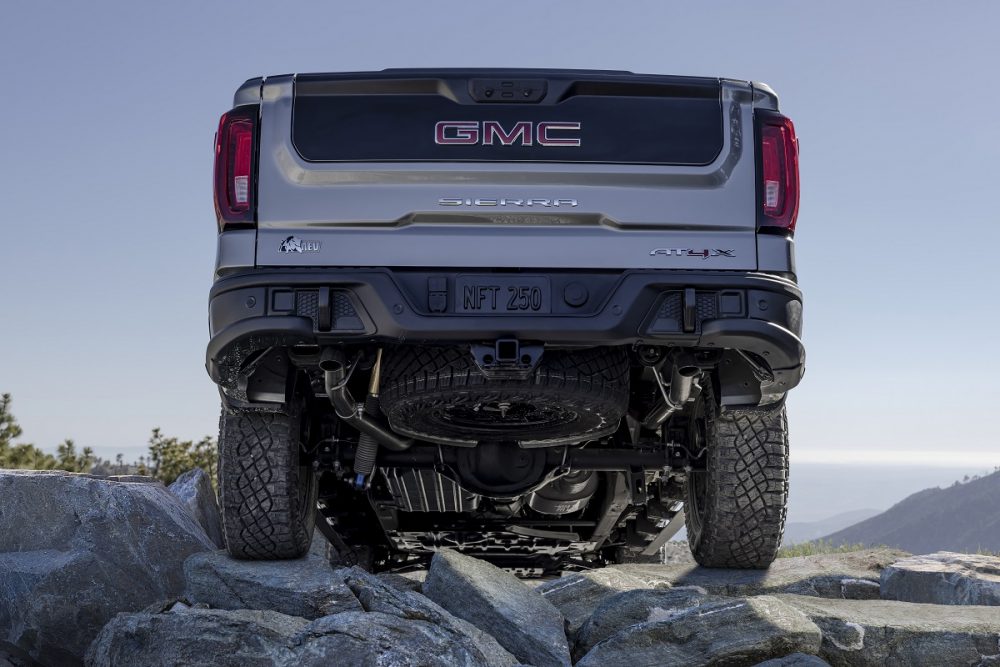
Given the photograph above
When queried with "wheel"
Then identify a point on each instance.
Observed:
(267, 497)
(736, 506)
(440, 395)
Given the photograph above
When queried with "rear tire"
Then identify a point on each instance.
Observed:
(267, 496)
(736, 507)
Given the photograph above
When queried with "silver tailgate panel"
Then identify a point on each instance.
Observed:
(627, 216)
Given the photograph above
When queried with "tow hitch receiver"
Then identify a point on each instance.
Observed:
(507, 358)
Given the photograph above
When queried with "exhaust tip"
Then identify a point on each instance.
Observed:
(332, 361)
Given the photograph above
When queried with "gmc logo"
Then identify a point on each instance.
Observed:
(492, 132)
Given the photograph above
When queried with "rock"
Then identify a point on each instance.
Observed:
(76, 549)
(620, 610)
(853, 575)
(306, 587)
(161, 606)
(883, 632)
(944, 578)
(378, 639)
(401, 582)
(376, 595)
(243, 638)
(320, 546)
(737, 631)
(795, 660)
(523, 621)
(141, 479)
(11, 656)
(576, 595)
(194, 489)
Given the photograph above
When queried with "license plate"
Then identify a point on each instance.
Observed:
(502, 295)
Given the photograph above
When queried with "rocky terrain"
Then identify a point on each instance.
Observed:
(121, 571)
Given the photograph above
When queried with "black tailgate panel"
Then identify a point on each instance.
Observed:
(393, 116)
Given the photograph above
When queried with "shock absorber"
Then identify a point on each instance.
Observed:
(364, 457)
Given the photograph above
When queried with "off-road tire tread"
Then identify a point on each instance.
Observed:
(747, 488)
(264, 515)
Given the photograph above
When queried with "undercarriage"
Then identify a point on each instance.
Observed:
(392, 501)
(581, 439)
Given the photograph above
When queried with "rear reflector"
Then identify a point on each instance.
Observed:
(234, 168)
(779, 172)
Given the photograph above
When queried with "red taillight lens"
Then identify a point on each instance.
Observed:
(234, 167)
(779, 172)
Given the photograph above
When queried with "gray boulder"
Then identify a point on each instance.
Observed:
(496, 602)
(375, 639)
(795, 660)
(376, 595)
(244, 638)
(944, 578)
(576, 595)
(307, 587)
(77, 549)
(320, 546)
(620, 610)
(724, 632)
(11, 656)
(408, 581)
(196, 637)
(882, 632)
(194, 489)
(852, 576)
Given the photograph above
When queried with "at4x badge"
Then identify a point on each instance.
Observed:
(704, 253)
(293, 244)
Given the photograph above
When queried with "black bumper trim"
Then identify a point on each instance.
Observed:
(627, 308)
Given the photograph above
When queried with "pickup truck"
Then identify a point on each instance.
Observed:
(542, 317)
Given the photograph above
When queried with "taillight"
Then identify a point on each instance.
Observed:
(234, 167)
(778, 169)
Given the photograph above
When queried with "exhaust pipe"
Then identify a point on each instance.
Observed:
(335, 377)
(682, 379)
(367, 451)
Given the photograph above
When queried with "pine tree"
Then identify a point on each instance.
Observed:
(26, 456)
(23, 455)
(67, 458)
(170, 457)
(9, 428)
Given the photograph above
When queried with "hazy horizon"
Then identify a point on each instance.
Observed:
(856, 487)
(107, 230)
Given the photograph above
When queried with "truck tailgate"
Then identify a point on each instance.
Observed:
(509, 169)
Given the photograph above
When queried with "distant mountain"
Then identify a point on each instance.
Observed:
(961, 517)
(807, 531)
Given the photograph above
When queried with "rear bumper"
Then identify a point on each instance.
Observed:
(753, 312)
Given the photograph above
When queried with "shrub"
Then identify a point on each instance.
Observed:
(820, 547)
(26, 456)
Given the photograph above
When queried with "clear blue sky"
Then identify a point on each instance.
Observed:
(107, 229)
